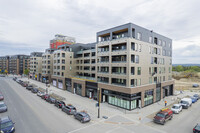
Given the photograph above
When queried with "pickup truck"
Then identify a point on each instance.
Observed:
(163, 115)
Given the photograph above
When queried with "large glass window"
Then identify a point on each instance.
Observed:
(123, 103)
(158, 94)
(139, 70)
(148, 97)
(139, 36)
(137, 59)
(150, 39)
(78, 88)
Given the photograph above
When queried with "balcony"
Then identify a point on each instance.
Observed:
(119, 59)
(121, 82)
(119, 47)
(105, 72)
(103, 79)
(84, 77)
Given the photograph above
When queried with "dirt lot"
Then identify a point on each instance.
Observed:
(185, 82)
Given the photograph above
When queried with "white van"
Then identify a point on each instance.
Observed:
(186, 102)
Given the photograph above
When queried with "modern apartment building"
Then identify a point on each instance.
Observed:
(131, 66)
(63, 66)
(138, 63)
(47, 65)
(36, 66)
(60, 40)
(15, 64)
(128, 66)
(4, 63)
(26, 63)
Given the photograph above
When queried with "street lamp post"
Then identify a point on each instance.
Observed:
(99, 102)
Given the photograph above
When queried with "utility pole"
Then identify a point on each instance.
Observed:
(99, 98)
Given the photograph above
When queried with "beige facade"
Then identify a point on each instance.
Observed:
(47, 66)
(63, 67)
(4, 63)
(85, 65)
(36, 67)
(138, 62)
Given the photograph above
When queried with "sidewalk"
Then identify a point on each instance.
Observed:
(84, 103)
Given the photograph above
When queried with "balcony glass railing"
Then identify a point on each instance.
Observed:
(119, 73)
(118, 61)
(115, 50)
(84, 77)
(103, 72)
(121, 84)
(102, 81)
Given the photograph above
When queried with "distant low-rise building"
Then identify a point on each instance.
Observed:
(36, 66)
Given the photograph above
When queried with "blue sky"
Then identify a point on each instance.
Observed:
(28, 25)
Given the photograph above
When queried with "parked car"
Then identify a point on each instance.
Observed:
(7, 125)
(176, 108)
(51, 99)
(40, 94)
(19, 81)
(82, 117)
(34, 90)
(24, 84)
(196, 129)
(59, 104)
(194, 99)
(45, 96)
(15, 78)
(186, 103)
(2, 76)
(195, 85)
(69, 109)
(3, 107)
(1, 97)
(29, 87)
(197, 96)
(163, 116)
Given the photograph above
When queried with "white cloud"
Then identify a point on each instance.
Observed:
(34, 23)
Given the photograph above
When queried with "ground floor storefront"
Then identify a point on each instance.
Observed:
(122, 97)
(58, 82)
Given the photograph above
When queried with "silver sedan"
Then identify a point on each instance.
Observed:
(3, 107)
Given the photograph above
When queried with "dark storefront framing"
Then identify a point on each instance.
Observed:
(158, 94)
(68, 83)
(91, 89)
(148, 97)
(78, 89)
(122, 100)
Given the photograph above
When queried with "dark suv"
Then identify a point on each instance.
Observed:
(51, 100)
(29, 87)
(82, 117)
(7, 126)
(69, 109)
(15, 78)
(59, 104)
(34, 90)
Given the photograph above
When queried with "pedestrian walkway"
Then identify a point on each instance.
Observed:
(84, 103)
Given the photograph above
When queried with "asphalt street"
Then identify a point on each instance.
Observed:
(182, 122)
(34, 115)
(31, 114)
